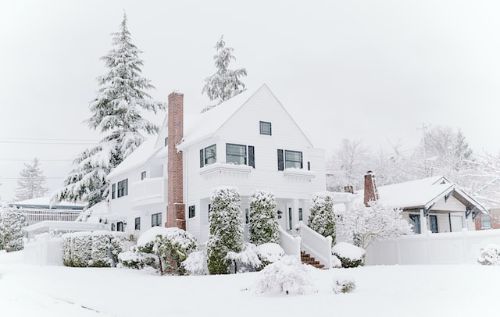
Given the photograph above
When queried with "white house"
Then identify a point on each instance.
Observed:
(249, 142)
(432, 204)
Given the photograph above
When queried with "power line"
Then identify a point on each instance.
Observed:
(56, 141)
(17, 178)
(31, 159)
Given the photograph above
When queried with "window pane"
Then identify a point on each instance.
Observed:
(293, 159)
(265, 128)
(236, 154)
(210, 154)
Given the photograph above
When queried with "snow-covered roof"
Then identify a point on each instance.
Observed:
(422, 193)
(140, 155)
(197, 126)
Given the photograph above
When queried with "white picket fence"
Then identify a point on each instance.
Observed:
(433, 248)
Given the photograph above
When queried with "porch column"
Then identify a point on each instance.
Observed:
(295, 212)
(423, 223)
(465, 227)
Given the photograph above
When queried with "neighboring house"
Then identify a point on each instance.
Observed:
(42, 209)
(249, 142)
(489, 221)
(431, 204)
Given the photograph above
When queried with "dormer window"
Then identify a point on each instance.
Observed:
(265, 128)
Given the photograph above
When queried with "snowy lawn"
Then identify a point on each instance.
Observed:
(446, 290)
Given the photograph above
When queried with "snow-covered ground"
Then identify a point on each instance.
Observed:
(445, 290)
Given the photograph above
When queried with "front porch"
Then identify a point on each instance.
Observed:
(439, 221)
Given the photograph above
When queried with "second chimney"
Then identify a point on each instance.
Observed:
(370, 191)
(175, 208)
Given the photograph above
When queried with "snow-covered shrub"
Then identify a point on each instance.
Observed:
(489, 255)
(245, 261)
(365, 224)
(269, 253)
(343, 285)
(285, 277)
(93, 249)
(196, 263)
(11, 230)
(170, 245)
(322, 218)
(264, 227)
(226, 229)
(348, 254)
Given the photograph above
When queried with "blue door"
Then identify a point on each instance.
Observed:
(433, 219)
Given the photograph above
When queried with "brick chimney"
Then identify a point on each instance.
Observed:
(175, 208)
(371, 193)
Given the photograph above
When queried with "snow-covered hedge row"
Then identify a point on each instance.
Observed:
(93, 249)
(348, 254)
(11, 230)
(255, 258)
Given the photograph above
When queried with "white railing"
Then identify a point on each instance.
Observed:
(149, 191)
(289, 243)
(316, 245)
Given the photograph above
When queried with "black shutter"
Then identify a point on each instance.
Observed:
(251, 156)
(308, 166)
(281, 162)
(202, 159)
(301, 161)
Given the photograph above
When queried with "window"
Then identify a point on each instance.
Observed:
(265, 128)
(137, 223)
(208, 155)
(247, 216)
(293, 159)
(113, 191)
(113, 228)
(123, 188)
(415, 221)
(192, 211)
(236, 154)
(281, 161)
(433, 219)
(119, 226)
(290, 220)
(301, 216)
(143, 175)
(156, 220)
(485, 222)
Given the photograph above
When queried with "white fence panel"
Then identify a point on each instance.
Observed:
(437, 248)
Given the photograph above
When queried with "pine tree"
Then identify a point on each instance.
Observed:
(31, 183)
(225, 83)
(322, 218)
(264, 227)
(226, 229)
(117, 114)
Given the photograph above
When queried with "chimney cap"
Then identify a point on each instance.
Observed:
(369, 173)
(176, 92)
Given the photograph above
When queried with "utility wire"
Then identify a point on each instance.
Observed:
(47, 141)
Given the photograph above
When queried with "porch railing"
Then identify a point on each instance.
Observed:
(316, 245)
(289, 243)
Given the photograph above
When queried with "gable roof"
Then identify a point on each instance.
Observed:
(423, 193)
(46, 202)
(197, 127)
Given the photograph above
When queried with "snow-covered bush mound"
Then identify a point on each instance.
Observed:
(11, 230)
(196, 263)
(343, 285)
(270, 252)
(285, 277)
(245, 261)
(336, 262)
(170, 245)
(349, 254)
(489, 255)
(93, 249)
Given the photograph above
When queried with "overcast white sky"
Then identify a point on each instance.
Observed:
(371, 70)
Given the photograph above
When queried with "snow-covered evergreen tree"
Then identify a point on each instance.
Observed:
(322, 218)
(117, 113)
(31, 183)
(264, 227)
(225, 83)
(11, 230)
(226, 229)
